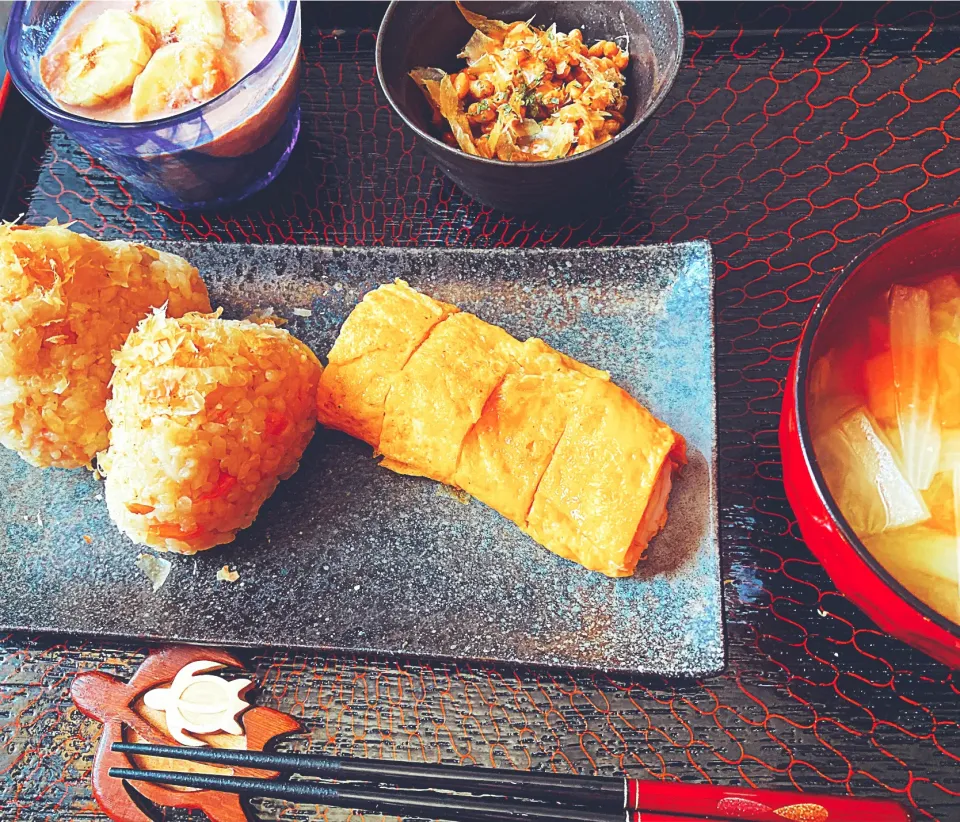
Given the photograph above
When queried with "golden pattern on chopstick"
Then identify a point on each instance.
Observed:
(805, 812)
(527, 93)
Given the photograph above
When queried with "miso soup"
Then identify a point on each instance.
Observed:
(884, 410)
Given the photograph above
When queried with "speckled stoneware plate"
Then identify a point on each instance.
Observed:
(347, 555)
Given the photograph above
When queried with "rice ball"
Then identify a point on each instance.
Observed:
(207, 416)
(66, 303)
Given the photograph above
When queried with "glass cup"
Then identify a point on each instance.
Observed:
(217, 153)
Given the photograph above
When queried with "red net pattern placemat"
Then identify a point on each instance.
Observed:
(794, 136)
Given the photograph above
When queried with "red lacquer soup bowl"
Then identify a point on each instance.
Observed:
(925, 247)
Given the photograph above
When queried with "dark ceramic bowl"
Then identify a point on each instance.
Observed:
(432, 33)
(926, 247)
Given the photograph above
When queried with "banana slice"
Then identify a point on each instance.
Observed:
(101, 62)
(179, 21)
(179, 75)
(243, 25)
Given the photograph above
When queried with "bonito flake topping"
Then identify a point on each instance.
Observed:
(527, 94)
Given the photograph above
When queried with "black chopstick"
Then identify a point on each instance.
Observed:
(594, 792)
(395, 802)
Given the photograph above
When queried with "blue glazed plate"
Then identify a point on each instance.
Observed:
(349, 556)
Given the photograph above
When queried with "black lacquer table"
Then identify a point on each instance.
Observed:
(794, 136)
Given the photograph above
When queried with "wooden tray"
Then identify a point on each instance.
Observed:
(350, 556)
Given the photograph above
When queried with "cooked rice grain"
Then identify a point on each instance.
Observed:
(66, 303)
(208, 415)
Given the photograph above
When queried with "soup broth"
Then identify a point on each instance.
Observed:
(884, 410)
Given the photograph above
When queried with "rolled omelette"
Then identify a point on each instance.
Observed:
(550, 443)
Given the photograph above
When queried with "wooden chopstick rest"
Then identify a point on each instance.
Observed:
(185, 691)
